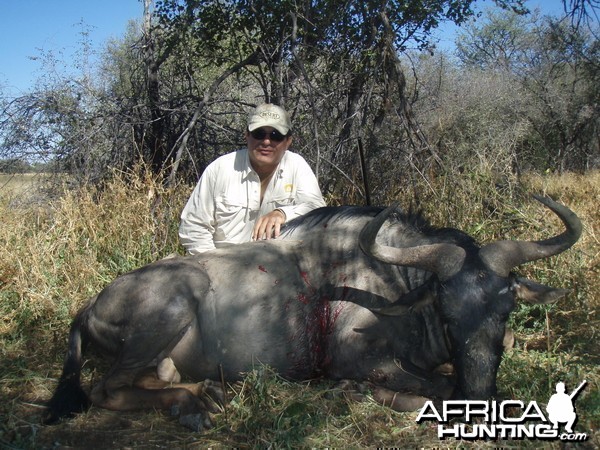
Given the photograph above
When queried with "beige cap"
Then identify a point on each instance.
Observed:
(269, 115)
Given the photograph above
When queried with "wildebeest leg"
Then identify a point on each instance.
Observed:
(398, 401)
(119, 392)
(208, 391)
(123, 387)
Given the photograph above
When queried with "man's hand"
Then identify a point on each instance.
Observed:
(269, 225)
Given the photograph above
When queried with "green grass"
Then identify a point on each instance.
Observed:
(55, 255)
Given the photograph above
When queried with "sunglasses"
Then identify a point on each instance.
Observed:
(260, 133)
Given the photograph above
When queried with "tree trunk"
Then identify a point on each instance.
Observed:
(154, 145)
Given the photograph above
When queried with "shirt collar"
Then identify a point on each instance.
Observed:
(247, 170)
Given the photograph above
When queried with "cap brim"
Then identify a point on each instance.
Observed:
(265, 123)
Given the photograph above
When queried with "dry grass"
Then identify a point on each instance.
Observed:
(53, 257)
(17, 184)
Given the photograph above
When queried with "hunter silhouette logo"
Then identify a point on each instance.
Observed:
(560, 406)
(508, 419)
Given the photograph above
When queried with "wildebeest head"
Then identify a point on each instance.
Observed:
(474, 290)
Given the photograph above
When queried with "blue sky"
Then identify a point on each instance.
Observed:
(54, 25)
(26, 26)
(446, 32)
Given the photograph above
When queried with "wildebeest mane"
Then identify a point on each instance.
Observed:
(323, 215)
(412, 219)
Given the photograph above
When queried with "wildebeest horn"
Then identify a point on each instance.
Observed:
(443, 259)
(502, 256)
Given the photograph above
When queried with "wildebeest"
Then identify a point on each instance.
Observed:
(348, 293)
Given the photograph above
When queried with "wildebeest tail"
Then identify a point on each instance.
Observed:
(69, 398)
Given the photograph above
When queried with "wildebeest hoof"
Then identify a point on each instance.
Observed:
(196, 422)
(348, 389)
(214, 390)
(398, 401)
(212, 395)
(175, 410)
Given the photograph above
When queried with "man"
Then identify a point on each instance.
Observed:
(249, 194)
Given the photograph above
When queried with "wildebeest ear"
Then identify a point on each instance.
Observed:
(536, 293)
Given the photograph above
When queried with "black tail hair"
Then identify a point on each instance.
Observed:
(69, 398)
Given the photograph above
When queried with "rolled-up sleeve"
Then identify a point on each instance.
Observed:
(197, 224)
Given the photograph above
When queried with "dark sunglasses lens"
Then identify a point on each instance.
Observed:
(276, 136)
(260, 134)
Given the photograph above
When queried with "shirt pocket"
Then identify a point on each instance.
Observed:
(228, 208)
(279, 202)
(285, 195)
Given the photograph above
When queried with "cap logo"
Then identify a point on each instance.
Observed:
(269, 115)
